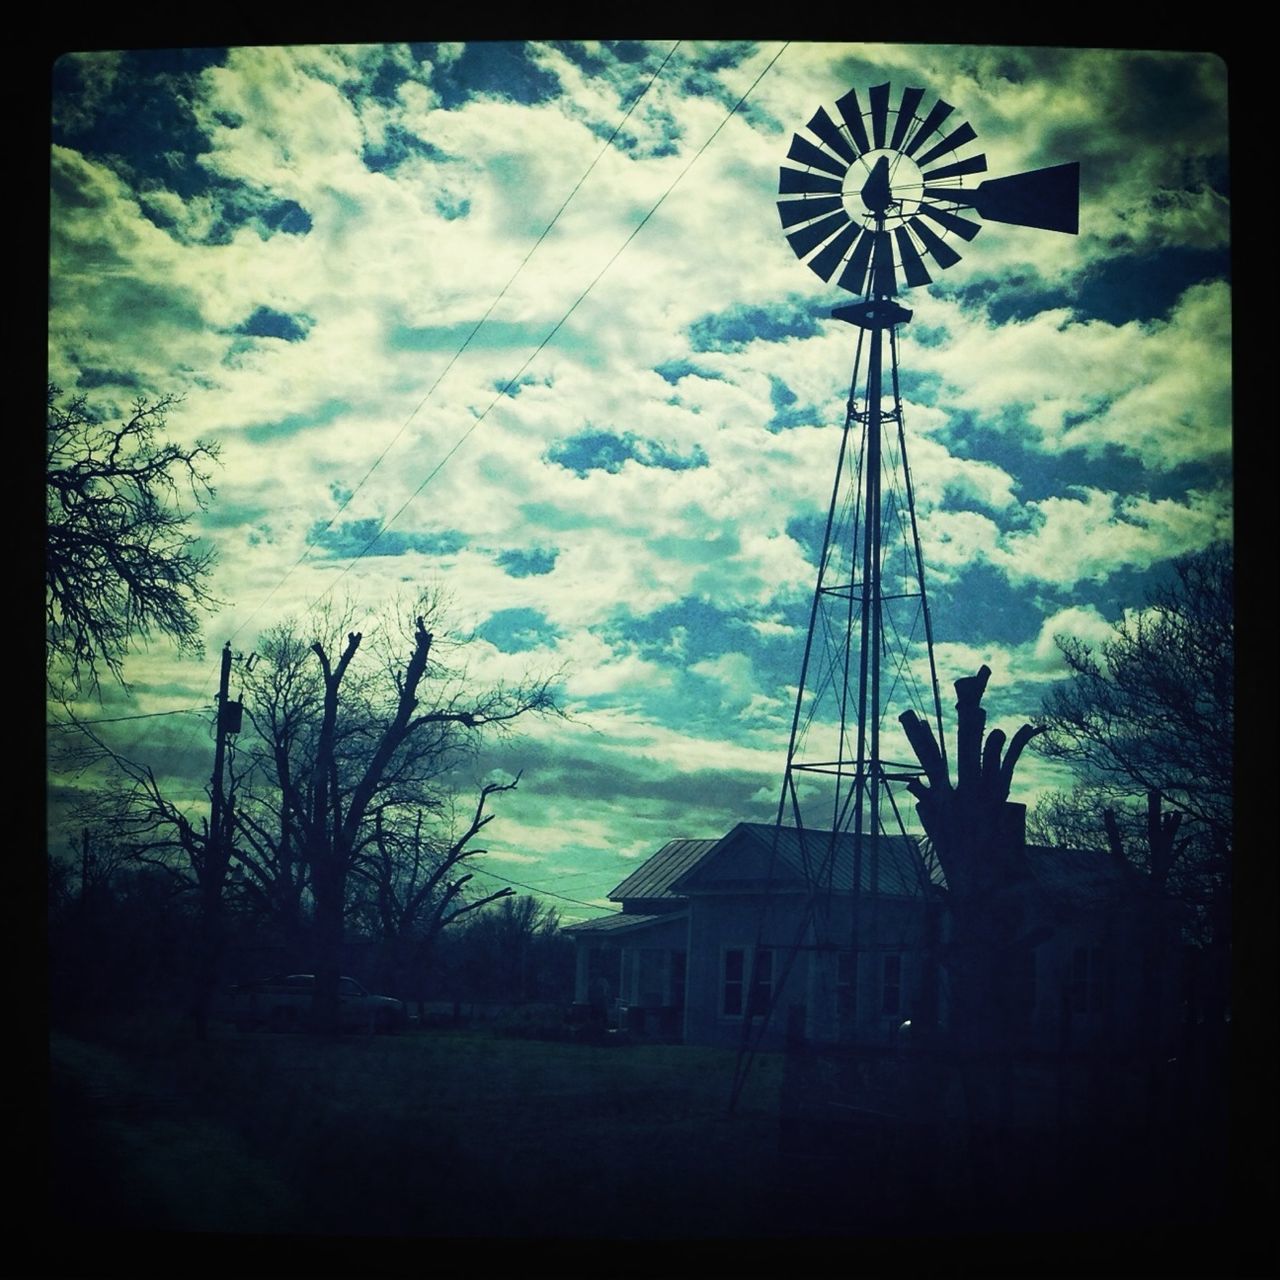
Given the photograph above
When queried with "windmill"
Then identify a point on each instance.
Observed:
(875, 200)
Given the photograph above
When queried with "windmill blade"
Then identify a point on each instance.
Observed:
(854, 276)
(1044, 198)
(912, 264)
(941, 252)
(792, 182)
(804, 152)
(851, 114)
(939, 112)
(961, 226)
(793, 212)
(906, 115)
(879, 95)
(807, 239)
(952, 142)
(825, 128)
(974, 164)
(825, 262)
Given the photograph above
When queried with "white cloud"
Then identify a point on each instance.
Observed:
(400, 264)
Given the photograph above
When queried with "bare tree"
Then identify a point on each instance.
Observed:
(356, 756)
(120, 561)
(1149, 719)
(413, 884)
(1153, 708)
(137, 814)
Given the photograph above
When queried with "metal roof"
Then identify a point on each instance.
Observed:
(653, 878)
(621, 920)
(808, 858)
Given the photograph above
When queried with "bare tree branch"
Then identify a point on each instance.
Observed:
(119, 561)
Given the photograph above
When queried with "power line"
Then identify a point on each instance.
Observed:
(554, 329)
(502, 293)
(147, 715)
(545, 893)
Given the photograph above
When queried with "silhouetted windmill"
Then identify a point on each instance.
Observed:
(873, 199)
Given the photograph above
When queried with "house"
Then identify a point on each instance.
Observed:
(711, 932)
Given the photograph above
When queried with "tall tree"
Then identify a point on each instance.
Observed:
(356, 754)
(1153, 708)
(414, 884)
(1151, 713)
(120, 560)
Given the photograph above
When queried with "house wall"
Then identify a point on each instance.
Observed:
(814, 996)
(644, 980)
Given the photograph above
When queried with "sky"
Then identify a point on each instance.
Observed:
(621, 477)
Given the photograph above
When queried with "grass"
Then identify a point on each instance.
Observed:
(436, 1134)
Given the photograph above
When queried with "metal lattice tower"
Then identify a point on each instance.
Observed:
(873, 201)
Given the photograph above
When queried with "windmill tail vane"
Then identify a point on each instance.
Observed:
(877, 200)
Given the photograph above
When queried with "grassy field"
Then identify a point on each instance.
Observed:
(443, 1133)
(304, 1148)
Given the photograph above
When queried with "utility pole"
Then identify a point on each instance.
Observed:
(220, 750)
(212, 867)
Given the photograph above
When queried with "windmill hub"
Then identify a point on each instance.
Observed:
(882, 184)
(881, 200)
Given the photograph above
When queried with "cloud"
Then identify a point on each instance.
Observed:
(1159, 390)
(334, 253)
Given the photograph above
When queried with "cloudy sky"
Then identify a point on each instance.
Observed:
(622, 472)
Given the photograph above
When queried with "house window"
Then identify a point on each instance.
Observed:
(734, 963)
(1087, 990)
(735, 977)
(762, 987)
(891, 986)
(846, 987)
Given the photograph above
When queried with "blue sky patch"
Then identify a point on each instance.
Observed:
(290, 424)
(351, 537)
(516, 630)
(90, 378)
(527, 564)
(1009, 298)
(1146, 286)
(673, 370)
(610, 451)
(287, 216)
(513, 386)
(978, 603)
(787, 411)
(144, 127)
(451, 207)
(397, 145)
(495, 69)
(736, 326)
(808, 531)
(266, 323)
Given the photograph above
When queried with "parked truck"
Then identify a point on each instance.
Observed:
(284, 1003)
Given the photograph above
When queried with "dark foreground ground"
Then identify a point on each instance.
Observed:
(325, 1157)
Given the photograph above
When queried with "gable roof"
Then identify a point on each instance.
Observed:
(653, 878)
(747, 859)
(1080, 877)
